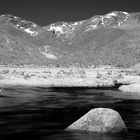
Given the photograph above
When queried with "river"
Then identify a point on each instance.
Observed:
(44, 113)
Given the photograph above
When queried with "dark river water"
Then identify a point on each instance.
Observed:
(44, 113)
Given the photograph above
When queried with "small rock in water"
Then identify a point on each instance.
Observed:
(131, 88)
(101, 120)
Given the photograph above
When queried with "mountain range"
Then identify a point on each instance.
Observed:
(111, 39)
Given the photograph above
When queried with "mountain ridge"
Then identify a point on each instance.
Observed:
(111, 39)
(92, 23)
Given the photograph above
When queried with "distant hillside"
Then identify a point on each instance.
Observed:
(111, 39)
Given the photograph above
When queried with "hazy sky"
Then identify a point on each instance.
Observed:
(44, 12)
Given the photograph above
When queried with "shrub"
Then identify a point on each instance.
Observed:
(27, 76)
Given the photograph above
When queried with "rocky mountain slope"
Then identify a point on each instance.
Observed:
(111, 39)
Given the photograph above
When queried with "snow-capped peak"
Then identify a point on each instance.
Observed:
(118, 14)
(19, 23)
(115, 18)
(57, 29)
(63, 27)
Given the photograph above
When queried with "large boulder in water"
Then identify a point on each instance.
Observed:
(131, 88)
(102, 120)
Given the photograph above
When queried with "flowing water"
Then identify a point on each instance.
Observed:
(43, 113)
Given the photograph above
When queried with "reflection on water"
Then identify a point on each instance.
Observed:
(44, 113)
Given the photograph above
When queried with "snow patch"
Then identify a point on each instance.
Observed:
(64, 28)
(92, 27)
(56, 29)
(33, 33)
(105, 20)
(47, 53)
(19, 23)
(110, 15)
(115, 14)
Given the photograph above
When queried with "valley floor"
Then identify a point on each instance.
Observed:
(70, 77)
